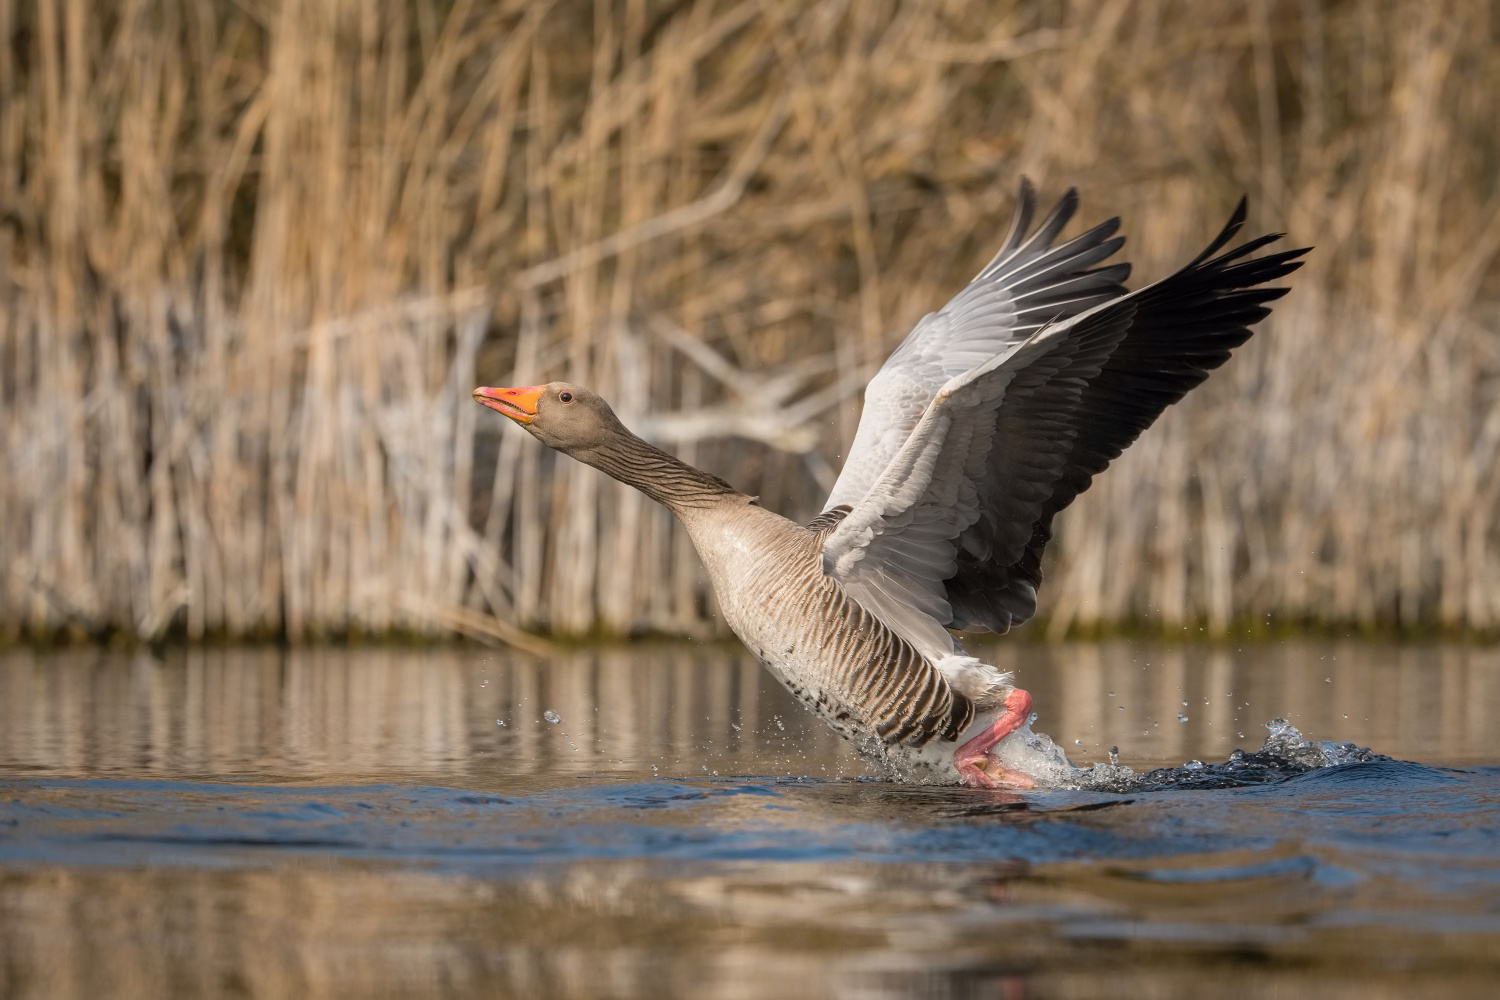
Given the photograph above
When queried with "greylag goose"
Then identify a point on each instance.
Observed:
(992, 415)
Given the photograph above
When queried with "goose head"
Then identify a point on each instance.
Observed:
(566, 417)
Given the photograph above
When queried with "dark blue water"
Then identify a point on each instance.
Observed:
(164, 860)
(1395, 819)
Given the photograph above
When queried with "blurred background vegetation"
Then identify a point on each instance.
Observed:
(254, 255)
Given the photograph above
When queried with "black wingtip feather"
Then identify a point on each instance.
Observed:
(1261, 270)
(1054, 223)
(1021, 220)
(1245, 249)
(1236, 222)
(1045, 233)
(1184, 327)
(1080, 252)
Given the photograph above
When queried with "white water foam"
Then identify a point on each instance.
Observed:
(1285, 754)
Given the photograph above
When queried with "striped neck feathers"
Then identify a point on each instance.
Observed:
(662, 477)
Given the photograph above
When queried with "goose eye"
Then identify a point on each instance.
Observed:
(566, 397)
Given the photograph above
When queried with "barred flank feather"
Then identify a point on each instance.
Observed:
(860, 662)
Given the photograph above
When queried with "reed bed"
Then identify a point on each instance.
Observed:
(254, 255)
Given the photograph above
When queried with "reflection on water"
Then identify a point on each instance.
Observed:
(1435, 703)
(359, 823)
(436, 715)
(446, 715)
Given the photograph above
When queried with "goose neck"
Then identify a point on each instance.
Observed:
(662, 477)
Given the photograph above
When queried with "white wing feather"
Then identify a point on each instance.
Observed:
(937, 497)
(1028, 284)
(895, 548)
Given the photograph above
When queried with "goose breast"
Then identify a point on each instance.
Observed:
(872, 686)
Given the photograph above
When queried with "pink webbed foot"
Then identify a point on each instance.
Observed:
(976, 768)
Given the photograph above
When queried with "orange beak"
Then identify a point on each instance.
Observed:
(518, 404)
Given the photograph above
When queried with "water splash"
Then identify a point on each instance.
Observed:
(1285, 755)
(1286, 741)
(1035, 754)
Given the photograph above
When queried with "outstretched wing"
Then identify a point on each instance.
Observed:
(951, 531)
(1027, 284)
(1184, 327)
(896, 548)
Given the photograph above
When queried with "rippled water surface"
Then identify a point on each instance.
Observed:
(661, 821)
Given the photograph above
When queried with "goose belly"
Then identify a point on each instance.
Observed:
(803, 670)
(782, 647)
(783, 611)
(812, 637)
(803, 629)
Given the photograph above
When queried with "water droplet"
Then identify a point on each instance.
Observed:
(499, 722)
(735, 726)
(552, 716)
(779, 725)
(1078, 743)
(1111, 694)
(1122, 708)
(484, 683)
(1184, 704)
(1114, 756)
(1155, 725)
(1328, 680)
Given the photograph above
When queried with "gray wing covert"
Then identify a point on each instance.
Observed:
(893, 551)
(1027, 284)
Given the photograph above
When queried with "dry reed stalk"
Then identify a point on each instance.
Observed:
(254, 257)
